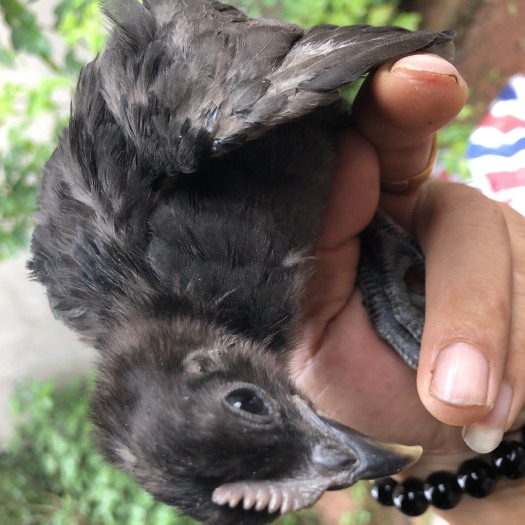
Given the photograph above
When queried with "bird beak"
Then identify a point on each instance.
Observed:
(338, 457)
(347, 456)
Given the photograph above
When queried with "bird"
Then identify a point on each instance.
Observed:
(178, 218)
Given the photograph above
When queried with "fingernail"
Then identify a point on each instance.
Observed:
(485, 435)
(461, 376)
(426, 62)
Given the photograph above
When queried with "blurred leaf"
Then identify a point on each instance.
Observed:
(346, 12)
(41, 99)
(23, 108)
(79, 22)
(407, 20)
(26, 35)
(453, 142)
(7, 57)
(51, 475)
(71, 62)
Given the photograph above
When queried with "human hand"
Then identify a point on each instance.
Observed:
(475, 283)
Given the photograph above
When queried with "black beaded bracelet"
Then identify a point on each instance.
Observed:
(444, 490)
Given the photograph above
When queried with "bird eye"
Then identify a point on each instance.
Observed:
(248, 401)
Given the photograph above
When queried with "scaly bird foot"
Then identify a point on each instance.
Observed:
(387, 253)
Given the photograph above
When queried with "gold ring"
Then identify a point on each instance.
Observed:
(413, 183)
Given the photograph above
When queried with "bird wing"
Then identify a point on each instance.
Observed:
(179, 82)
(321, 61)
(187, 80)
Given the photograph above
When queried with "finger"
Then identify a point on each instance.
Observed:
(414, 96)
(351, 206)
(469, 297)
(399, 109)
(515, 369)
(355, 191)
(403, 146)
(487, 433)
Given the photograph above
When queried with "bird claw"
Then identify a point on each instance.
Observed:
(397, 313)
(275, 496)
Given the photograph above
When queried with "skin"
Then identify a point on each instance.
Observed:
(340, 363)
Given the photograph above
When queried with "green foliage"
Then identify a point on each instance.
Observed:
(26, 109)
(25, 32)
(453, 141)
(52, 476)
(307, 13)
(346, 12)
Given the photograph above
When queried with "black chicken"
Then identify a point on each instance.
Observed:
(177, 219)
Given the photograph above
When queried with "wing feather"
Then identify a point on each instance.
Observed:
(200, 78)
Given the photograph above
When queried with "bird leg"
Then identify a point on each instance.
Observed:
(387, 253)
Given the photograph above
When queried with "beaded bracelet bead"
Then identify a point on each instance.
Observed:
(444, 490)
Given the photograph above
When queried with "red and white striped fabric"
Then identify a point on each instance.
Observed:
(496, 149)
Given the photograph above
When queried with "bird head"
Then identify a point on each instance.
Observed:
(210, 423)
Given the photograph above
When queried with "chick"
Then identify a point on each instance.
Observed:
(178, 217)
